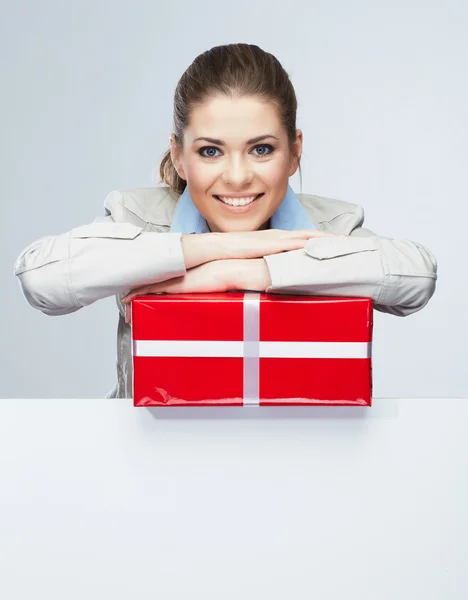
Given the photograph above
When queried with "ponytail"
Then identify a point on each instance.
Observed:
(169, 175)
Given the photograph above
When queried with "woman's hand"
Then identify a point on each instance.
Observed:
(200, 248)
(215, 276)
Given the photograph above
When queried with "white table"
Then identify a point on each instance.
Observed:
(100, 500)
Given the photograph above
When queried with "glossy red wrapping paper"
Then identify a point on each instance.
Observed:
(191, 350)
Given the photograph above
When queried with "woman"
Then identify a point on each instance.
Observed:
(226, 218)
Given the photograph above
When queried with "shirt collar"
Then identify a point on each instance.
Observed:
(290, 215)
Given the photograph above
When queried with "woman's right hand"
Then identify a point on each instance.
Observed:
(199, 248)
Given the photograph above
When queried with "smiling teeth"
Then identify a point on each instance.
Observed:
(237, 201)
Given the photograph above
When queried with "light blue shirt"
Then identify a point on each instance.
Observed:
(290, 215)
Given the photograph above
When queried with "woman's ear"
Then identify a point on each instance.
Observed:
(297, 146)
(176, 156)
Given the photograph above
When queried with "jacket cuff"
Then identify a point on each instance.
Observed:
(148, 258)
(334, 266)
(399, 275)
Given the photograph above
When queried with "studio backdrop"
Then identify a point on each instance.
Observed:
(87, 108)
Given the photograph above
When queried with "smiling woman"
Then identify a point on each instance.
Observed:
(225, 217)
(236, 175)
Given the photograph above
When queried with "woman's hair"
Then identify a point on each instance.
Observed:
(232, 70)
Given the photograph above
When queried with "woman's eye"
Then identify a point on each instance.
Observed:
(208, 151)
(266, 149)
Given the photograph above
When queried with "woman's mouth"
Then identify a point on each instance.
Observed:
(239, 204)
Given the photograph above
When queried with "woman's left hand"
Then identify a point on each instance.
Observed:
(216, 276)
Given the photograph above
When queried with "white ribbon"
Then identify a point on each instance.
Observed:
(251, 349)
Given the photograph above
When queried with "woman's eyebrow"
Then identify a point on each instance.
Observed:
(221, 143)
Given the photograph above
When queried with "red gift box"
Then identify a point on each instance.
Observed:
(251, 349)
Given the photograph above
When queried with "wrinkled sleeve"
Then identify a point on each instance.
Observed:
(60, 274)
(399, 275)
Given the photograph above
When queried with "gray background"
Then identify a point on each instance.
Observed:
(86, 108)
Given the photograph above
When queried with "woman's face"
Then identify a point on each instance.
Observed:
(236, 161)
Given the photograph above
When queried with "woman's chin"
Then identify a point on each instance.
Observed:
(238, 224)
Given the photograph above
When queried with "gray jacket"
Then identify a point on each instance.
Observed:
(125, 249)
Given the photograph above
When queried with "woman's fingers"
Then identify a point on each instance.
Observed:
(310, 233)
(136, 292)
(295, 245)
(280, 240)
(127, 300)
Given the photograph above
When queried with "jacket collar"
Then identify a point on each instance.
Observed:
(290, 215)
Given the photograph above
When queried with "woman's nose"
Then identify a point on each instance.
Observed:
(237, 172)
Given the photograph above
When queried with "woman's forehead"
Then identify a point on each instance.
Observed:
(244, 117)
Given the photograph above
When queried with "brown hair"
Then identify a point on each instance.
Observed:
(233, 69)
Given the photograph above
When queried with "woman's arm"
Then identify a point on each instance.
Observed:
(399, 275)
(60, 274)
